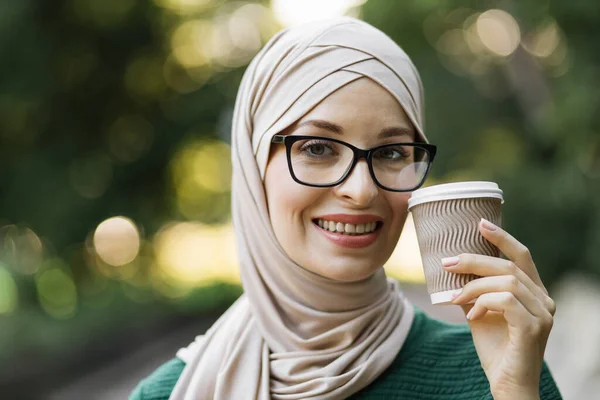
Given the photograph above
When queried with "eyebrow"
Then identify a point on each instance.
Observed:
(337, 129)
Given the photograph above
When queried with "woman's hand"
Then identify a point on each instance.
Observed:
(512, 315)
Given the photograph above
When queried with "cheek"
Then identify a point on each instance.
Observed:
(399, 206)
(287, 200)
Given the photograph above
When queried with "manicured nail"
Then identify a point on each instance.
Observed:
(470, 313)
(456, 294)
(450, 261)
(488, 225)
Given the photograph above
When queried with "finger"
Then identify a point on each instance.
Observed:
(504, 283)
(482, 265)
(515, 314)
(550, 305)
(511, 248)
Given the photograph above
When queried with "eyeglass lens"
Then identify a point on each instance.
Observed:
(324, 162)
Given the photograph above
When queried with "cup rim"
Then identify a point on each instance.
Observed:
(455, 190)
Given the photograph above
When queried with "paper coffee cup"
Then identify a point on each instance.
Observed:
(446, 219)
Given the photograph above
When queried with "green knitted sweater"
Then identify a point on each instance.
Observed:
(438, 361)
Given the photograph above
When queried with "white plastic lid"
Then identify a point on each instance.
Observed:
(457, 190)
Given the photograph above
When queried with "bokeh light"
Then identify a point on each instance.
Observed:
(184, 6)
(405, 262)
(228, 40)
(21, 249)
(451, 42)
(8, 292)
(189, 43)
(202, 47)
(499, 32)
(454, 51)
(294, 12)
(117, 241)
(544, 40)
(201, 174)
(190, 253)
(234, 41)
(56, 290)
(548, 43)
(459, 46)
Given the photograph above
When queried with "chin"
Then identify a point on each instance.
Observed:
(343, 266)
(345, 271)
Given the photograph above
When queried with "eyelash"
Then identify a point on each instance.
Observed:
(314, 142)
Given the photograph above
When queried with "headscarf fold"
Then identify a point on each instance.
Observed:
(294, 334)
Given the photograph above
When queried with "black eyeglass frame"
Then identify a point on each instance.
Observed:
(289, 140)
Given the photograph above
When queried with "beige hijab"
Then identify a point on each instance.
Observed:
(295, 334)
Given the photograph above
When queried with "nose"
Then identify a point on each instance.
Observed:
(359, 187)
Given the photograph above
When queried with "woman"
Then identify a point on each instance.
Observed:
(315, 220)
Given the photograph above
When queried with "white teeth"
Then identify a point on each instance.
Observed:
(349, 229)
(331, 226)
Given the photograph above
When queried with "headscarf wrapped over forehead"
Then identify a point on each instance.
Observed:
(309, 67)
(295, 334)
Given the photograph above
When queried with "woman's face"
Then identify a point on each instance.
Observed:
(358, 112)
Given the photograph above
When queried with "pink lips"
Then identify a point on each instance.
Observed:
(347, 241)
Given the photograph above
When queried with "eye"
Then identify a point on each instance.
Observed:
(316, 148)
(392, 153)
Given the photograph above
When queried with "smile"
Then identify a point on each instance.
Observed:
(349, 231)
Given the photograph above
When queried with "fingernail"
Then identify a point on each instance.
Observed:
(455, 295)
(450, 261)
(470, 313)
(488, 225)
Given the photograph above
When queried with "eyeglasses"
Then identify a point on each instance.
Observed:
(323, 162)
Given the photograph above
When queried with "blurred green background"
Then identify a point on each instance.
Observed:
(114, 155)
